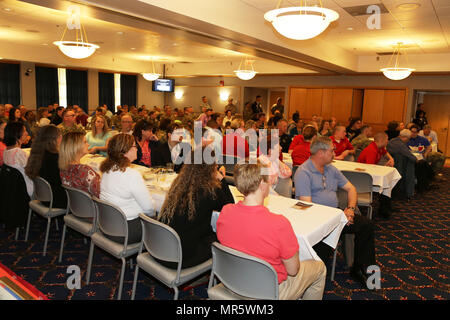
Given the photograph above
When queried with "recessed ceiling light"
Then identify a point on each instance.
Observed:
(7, 9)
(133, 48)
(175, 44)
(408, 6)
(350, 28)
(120, 32)
(45, 44)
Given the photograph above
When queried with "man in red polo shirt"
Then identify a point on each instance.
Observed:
(250, 227)
(299, 148)
(343, 149)
(375, 150)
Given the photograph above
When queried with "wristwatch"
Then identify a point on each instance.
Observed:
(353, 208)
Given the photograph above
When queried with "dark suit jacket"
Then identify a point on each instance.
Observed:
(14, 197)
(50, 172)
(162, 156)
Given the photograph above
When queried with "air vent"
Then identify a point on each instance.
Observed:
(362, 10)
(385, 53)
(184, 62)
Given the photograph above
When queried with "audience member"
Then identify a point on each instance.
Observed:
(256, 108)
(124, 186)
(250, 227)
(74, 174)
(99, 136)
(170, 151)
(15, 135)
(81, 116)
(278, 107)
(300, 146)
(146, 142)
(198, 190)
(43, 162)
(126, 124)
(392, 130)
(2, 113)
(43, 117)
(429, 134)
(228, 117)
(317, 181)
(420, 120)
(234, 144)
(69, 124)
(248, 111)
(57, 116)
(285, 139)
(362, 140)
(343, 148)
(230, 107)
(373, 153)
(354, 128)
(205, 117)
(324, 129)
(3, 123)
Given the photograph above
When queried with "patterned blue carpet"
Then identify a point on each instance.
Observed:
(412, 250)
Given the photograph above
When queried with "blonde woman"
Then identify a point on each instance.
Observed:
(99, 136)
(74, 174)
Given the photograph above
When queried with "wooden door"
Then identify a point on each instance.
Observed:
(437, 108)
(313, 103)
(342, 104)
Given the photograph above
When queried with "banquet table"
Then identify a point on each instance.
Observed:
(312, 225)
(384, 178)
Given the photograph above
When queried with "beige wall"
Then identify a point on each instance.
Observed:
(146, 96)
(192, 96)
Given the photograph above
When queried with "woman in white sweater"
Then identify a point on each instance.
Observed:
(123, 186)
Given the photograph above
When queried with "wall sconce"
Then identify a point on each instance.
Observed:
(178, 94)
(224, 95)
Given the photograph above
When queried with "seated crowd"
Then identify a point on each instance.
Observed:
(60, 137)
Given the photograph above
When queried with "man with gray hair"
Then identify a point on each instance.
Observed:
(317, 181)
(404, 162)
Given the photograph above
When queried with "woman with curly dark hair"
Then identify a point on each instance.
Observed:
(146, 142)
(43, 162)
(124, 186)
(198, 190)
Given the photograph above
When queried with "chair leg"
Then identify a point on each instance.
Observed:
(211, 279)
(17, 234)
(175, 297)
(89, 267)
(122, 273)
(333, 267)
(131, 263)
(62, 244)
(46, 235)
(56, 222)
(85, 241)
(370, 212)
(30, 212)
(136, 271)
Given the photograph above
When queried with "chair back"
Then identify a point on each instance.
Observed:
(43, 190)
(80, 203)
(111, 220)
(361, 180)
(160, 240)
(243, 274)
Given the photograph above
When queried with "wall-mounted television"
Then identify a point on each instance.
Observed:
(163, 85)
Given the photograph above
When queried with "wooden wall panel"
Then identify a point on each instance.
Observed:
(373, 106)
(342, 104)
(313, 103)
(297, 101)
(393, 105)
(327, 104)
(357, 103)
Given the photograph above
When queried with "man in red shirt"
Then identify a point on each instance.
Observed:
(234, 144)
(250, 227)
(299, 148)
(343, 149)
(374, 151)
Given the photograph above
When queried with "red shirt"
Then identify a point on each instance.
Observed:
(258, 232)
(371, 154)
(2, 148)
(234, 144)
(301, 151)
(341, 146)
(82, 119)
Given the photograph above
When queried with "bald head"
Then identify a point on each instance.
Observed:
(381, 139)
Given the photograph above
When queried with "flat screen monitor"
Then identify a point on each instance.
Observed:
(164, 85)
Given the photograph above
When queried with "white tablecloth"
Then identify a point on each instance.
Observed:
(384, 178)
(312, 225)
